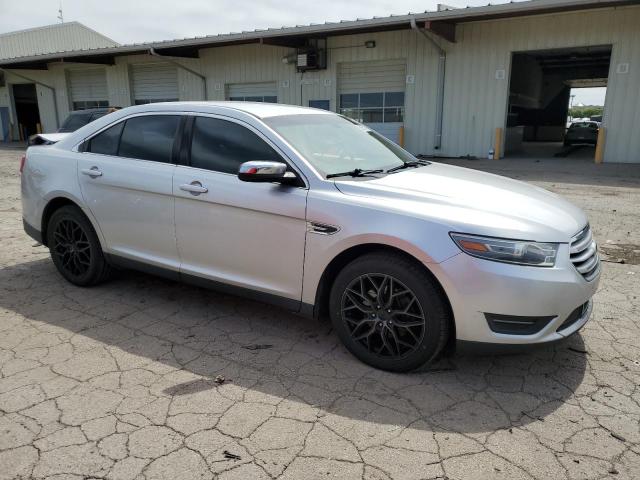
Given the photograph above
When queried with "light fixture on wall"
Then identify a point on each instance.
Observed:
(370, 44)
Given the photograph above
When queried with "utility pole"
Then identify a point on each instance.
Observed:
(60, 16)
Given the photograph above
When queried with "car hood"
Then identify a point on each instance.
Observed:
(475, 202)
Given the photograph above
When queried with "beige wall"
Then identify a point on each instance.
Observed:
(475, 100)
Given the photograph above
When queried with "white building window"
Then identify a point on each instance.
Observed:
(381, 107)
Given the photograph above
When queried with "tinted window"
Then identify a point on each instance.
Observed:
(322, 104)
(75, 121)
(106, 142)
(222, 146)
(149, 137)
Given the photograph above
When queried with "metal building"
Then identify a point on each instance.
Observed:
(24, 101)
(456, 82)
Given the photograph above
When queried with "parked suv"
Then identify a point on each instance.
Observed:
(314, 212)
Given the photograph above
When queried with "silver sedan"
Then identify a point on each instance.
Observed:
(319, 214)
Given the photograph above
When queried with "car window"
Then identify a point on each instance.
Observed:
(222, 146)
(106, 142)
(149, 137)
(75, 121)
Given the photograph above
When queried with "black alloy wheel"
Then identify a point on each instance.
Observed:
(390, 312)
(383, 315)
(75, 248)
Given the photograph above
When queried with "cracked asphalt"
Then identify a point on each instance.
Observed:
(142, 378)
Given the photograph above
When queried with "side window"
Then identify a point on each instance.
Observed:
(106, 142)
(149, 137)
(222, 146)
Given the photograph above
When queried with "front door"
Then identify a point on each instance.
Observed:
(126, 176)
(249, 235)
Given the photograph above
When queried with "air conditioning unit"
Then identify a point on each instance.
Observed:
(313, 56)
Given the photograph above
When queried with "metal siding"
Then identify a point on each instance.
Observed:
(258, 89)
(476, 103)
(50, 39)
(154, 81)
(372, 76)
(88, 85)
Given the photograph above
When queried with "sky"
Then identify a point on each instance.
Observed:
(134, 21)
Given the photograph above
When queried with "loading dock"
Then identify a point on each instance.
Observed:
(25, 101)
(539, 98)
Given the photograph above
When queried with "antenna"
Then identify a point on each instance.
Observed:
(60, 16)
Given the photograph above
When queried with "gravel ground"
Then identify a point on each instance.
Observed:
(145, 378)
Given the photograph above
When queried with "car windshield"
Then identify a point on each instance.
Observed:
(334, 144)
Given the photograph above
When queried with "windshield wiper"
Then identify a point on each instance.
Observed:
(415, 163)
(356, 172)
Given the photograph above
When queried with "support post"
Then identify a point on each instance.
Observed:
(600, 145)
(497, 146)
(401, 136)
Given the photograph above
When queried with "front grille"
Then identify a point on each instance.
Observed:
(584, 254)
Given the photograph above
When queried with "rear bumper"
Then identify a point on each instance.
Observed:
(32, 231)
(479, 289)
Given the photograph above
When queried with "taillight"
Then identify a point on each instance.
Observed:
(22, 162)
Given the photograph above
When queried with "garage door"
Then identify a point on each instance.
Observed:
(88, 88)
(373, 93)
(253, 92)
(155, 82)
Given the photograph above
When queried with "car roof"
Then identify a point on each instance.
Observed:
(257, 109)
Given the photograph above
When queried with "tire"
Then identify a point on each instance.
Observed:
(75, 248)
(390, 337)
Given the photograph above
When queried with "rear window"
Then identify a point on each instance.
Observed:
(149, 137)
(584, 125)
(75, 121)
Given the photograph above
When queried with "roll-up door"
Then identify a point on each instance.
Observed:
(88, 88)
(253, 92)
(154, 82)
(373, 93)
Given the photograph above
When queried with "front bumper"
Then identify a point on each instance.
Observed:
(478, 287)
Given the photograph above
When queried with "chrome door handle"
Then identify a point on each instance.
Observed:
(194, 188)
(93, 172)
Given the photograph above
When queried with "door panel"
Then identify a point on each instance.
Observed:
(126, 176)
(246, 234)
(133, 203)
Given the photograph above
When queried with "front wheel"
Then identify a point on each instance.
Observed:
(389, 312)
(75, 248)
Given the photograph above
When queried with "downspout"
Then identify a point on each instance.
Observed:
(53, 91)
(179, 65)
(442, 63)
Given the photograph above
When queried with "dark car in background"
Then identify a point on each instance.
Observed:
(582, 133)
(80, 118)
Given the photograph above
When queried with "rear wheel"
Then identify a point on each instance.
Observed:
(75, 248)
(389, 312)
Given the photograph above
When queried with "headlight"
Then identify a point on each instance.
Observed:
(508, 251)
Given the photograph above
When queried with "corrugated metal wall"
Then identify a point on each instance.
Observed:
(476, 101)
(52, 38)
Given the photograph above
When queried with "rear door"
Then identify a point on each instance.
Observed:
(126, 179)
(249, 235)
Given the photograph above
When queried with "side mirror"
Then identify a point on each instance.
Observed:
(259, 171)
